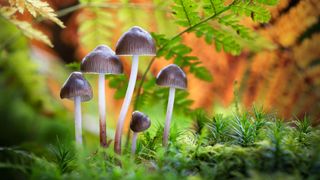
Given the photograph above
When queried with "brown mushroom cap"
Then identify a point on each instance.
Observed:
(139, 122)
(136, 41)
(76, 85)
(172, 76)
(101, 60)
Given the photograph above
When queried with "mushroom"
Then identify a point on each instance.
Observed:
(102, 60)
(135, 42)
(139, 123)
(173, 77)
(77, 88)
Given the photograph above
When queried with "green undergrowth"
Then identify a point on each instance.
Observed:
(250, 145)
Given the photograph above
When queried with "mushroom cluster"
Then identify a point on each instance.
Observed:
(104, 61)
(135, 42)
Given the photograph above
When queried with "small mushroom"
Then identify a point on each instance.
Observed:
(102, 60)
(173, 77)
(135, 42)
(77, 88)
(139, 123)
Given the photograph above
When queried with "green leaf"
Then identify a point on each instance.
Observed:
(186, 12)
(201, 73)
(120, 83)
(268, 2)
(211, 7)
(74, 66)
(257, 12)
(96, 27)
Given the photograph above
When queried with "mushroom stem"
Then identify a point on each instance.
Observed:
(102, 111)
(134, 143)
(168, 116)
(77, 118)
(126, 103)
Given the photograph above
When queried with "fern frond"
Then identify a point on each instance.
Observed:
(30, 32)
(37, 8)
(96, 26)
(222, 38)
(232, 21)
(186, 12)
(254, 10)
(212, 6)
(174, 49)
(7, 12)
(25, 27)
(133, 16)
(268, 2)
(19, 4)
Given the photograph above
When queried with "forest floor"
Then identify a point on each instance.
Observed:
(251, 145)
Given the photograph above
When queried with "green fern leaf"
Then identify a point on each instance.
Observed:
(201, 73)
(232, 21)
(186, 12)
(177, 51)
(211, 7)
(129, 16)
(222, 39)
(96, 27)
(257, 12)
(268, 2)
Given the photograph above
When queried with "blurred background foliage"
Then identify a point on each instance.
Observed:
(28, 111)
(239, 58)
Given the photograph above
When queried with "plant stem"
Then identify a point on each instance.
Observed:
(168, 116)
(102, 111)
(134, 143)
(77, 119)
(126, 103)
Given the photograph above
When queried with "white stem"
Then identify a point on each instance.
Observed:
(134, 143)
(126, 103)
(77, 118)
(102, 110)
(168, 116)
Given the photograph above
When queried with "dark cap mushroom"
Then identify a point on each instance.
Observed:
(135, 42)
(78, 89)
(76, 86)
(173, 77)
(139, 123)
(102, 60)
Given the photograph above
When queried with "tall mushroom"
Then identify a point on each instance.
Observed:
(102, 60)
(77, 88)
(135, 42)
(173, 77)
(139, 123)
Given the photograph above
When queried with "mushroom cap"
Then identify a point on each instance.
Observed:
(172, 76)
(76, 85)
(139, 122)
(136, 41)
(101, 60)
